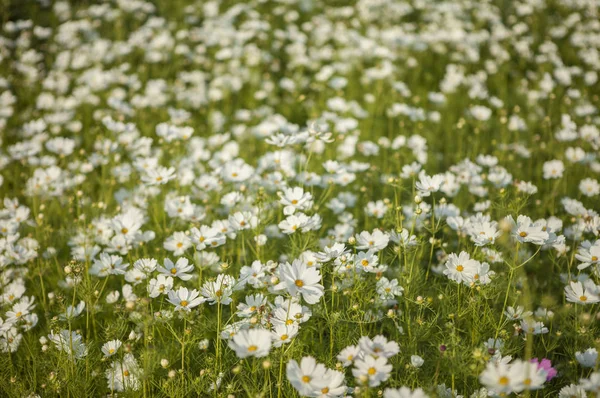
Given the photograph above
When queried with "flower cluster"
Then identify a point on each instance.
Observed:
(324, 199)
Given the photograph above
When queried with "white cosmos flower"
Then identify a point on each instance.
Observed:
(283, 334)
(429, 184)
(588, 254)
(294, 223)
(159, 175)
(524, 230)
(372, 371)
(579, 293)
(376, 240)
(335, 386)
(298, 279)
(295, 199)
(379, 346)
(461, 268)
(416, 361)
(161, 285)
(251, 342)
(184, 299)
(587, 358)
(553, 169)
(110, 348)
(306, 377)
(404, 392)
(123, 375)
(69, 342)
(180, 269)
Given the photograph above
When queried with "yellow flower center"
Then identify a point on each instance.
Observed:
(583, 298)
(124, 231)
(284, 337)
(294, 202)
(173, 271)
(503, 381)
(125, 373)
(306, 379)
(299, 283)
(252, 348)
(184, 303)
(523, 234)
(372, 371)
(460, 268)
(364, 263)
(325, 390)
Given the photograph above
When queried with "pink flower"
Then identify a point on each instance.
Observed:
(547, 366)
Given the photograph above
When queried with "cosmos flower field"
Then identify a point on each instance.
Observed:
(293, 198)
